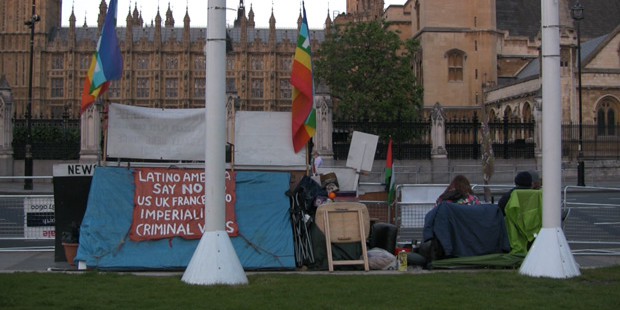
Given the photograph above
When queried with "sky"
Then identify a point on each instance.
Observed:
(285, 11)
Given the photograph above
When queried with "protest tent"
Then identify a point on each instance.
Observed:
(264, 239)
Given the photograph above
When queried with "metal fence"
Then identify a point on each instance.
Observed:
(510, 139)
(50, 138)
(60, 139)
(598, 143)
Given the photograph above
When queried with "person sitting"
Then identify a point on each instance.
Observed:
(536, 180)
(317, 161)
(459, 191)
(523, 180)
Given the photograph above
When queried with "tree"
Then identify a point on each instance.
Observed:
(369, 70)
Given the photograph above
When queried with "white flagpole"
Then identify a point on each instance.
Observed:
(215, 260)
(550, 255)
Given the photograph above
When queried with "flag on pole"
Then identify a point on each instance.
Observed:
(389, 179)
(303, 113)
(107, 63)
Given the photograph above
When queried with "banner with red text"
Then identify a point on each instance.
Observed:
(171, 203)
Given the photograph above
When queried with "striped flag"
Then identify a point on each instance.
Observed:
(107, 63)
(389, 179)
(303, 113)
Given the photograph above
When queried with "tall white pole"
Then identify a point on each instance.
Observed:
(550, 255)
(215, 260)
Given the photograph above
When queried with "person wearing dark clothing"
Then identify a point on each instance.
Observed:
(523, 180)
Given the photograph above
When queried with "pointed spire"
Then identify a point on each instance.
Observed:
(72, 27)
(157, 38)
(72, 18)
(130, 24)
(136, 14)
(186, 19)
(186, 28)
(169, 17)
(240, 14)
(103, 8)
(328, 20)
(251, 17)
(129, 18)
(272, 29)
(158, 18)
(272, 19)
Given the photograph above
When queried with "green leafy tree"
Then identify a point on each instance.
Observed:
(369, 70)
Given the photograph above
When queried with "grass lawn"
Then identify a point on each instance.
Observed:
(484, 289)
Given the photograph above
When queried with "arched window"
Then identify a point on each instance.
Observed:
(456, 59)
(606, 118)
(526, 112)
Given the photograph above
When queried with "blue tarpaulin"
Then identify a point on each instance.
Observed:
(265, 238)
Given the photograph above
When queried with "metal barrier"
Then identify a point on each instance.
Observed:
(378, 211)
(27, 217)
(496, 191)
(592, 222)
(413, 201)
(591, 215)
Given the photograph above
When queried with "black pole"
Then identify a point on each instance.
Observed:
(475, 124)
(28, 156)
(581, 167)
(506, 135)
(577, 15)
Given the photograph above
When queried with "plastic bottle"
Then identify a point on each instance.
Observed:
(402, 260)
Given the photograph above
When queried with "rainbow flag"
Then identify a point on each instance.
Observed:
(107, 63)
(303, 113)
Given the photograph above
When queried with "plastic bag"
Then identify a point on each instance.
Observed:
(380, 259)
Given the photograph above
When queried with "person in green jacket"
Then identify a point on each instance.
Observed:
(523, 180)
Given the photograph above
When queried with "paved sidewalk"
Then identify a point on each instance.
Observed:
(43, 261)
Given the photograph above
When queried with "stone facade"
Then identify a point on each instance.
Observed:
(473, 54)
(6, 136)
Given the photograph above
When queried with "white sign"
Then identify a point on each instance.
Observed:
(149, 133)
(39, 218)
(362, 151)
(265, 139)
(74, 170)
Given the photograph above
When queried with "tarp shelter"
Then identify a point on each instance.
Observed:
(471, 236)
(464, 230)
(265, 238)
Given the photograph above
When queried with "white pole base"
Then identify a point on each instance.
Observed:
(550, 256)
(215, 262)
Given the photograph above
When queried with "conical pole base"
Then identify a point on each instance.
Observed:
(215, 262)
(550, 256)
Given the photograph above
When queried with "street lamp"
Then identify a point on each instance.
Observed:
(577, 14)
(28, 156)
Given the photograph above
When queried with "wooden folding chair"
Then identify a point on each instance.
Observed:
(344, 222)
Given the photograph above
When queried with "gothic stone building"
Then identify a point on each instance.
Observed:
(482, 56)
(474, 54)
(164, 65)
